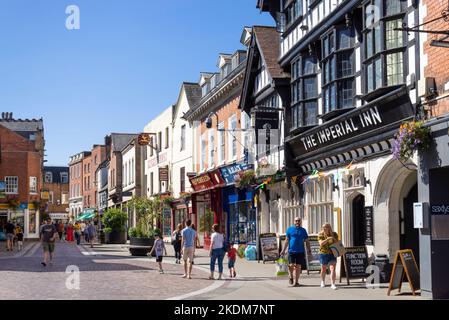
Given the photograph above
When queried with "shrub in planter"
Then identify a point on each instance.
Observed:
(114, 221)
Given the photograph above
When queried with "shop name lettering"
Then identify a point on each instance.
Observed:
(367, 119)
(440, 209)
(200, 180)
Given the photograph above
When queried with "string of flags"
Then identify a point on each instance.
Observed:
(263, 184)
(317, 174)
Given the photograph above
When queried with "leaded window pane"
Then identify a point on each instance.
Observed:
(394, 38)
(395, 69)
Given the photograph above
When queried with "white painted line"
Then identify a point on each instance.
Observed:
(214, 286)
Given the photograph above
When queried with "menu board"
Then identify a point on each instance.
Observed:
(355, 262)
(269, 246)
(404, 265)
(313, 261)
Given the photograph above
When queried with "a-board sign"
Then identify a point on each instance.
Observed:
(269, 246)
(355, 262)
(404, 265)
(313, 261)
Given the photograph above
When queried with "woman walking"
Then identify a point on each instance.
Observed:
(176, 242)
(216, 252)
(326, 238)
(69, 233)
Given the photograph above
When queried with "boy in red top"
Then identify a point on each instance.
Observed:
(232, 255)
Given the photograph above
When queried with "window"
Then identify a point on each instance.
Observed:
(151, 146)
(182, 175)
(133, 170)
(304, 87)
(232, 125)
(320, 203)
(51, 197)
(246, 133)
(293, 11)
(221, 142)
(167, 138)
(183, 137)
(203, 152)
(64, 177)
(384, 46)
(159, 141)
(151, 183)
(48, 177)
(33, 184)
(125, 174)
(338, 65)
(211, 147)
(242, 222)
(64, 198)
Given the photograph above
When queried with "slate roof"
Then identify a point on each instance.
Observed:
(193, 93)
(23, 127)
(121, 140)
(56, 172)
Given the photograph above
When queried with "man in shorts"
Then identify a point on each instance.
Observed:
(10, 233)
(188, 248)
(48, 234)
(296, 237)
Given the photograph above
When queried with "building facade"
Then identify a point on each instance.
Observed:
(76, 184)
(21, 166)
(56, 187)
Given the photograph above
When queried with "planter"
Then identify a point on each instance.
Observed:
(140, 246)
(102, 237)
(115, 237)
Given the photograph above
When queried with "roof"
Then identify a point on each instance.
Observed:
(268, 42)
(121, 140)
(56, 173)
(23, 127)
(193, 93)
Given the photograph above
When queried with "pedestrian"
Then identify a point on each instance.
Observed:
(86, 233)
(77, 231)
(326, 238)
(197, 242)
(9, 230)
(83, 228)
(296, 236)
(91, 233)
(69, 232)
(61, 230)
(159, 249)
(176, 242)
(216, 252)
(47, 235)
(232, 257)
(19, 235)
(188, 248)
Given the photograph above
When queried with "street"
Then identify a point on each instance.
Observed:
(108, 272)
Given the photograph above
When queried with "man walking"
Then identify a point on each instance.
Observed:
(188, 248)
(10, 233)
(91, 233)
(296, 236)
(48, 234)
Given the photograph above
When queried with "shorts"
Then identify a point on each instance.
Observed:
(48, 246)
(231, 263)
(326, 259)
(188, 254)
(10, 236)
(297, 258)
(159, 258)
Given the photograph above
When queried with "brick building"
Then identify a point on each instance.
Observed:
(76, 184)
(56, 189)
(21, 162)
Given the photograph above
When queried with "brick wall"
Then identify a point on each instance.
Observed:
(438, 58)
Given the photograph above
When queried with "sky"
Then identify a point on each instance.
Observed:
(122, 67)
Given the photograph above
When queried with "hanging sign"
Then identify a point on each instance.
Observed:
(404, 265)
(163, 174)
(369, 226)
(230, 173)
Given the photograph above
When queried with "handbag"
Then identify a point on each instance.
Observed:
(337, 249)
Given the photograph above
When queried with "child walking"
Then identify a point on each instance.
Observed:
(232, 256)
(19, 235)
(159, 248)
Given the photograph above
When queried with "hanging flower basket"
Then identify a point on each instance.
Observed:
(245, 179)
(412, 136)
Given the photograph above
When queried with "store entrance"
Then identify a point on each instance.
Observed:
(358, 226)
(410, 235)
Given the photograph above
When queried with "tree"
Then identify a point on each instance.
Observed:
(148, 211)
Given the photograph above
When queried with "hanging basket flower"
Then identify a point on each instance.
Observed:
(412, 136)
(245, 179)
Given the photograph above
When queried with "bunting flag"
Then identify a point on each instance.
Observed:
(349, 166)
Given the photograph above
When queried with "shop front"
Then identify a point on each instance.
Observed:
(24, 215)
(351, 180)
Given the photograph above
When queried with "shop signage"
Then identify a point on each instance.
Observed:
(202, 182)
(439, 209)
(59, 216)
(404, 262)
(355, 262)
(269, 246)
(313, 261)
(2, 190)
(384, 112)
(23, 206)
(45, 195)
(369, 226)
(230, 173)
(163, 173)
(160, 158)
(267, 119)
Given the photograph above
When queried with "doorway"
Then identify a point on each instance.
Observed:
(409, 235)
(358, 225)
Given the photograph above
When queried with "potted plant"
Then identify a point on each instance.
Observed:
(142, 236)
(205, 226)
(412, 136)
(114, 221)
(246, 179)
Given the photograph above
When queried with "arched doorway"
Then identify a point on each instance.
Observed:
(358, 230)
(409, 235)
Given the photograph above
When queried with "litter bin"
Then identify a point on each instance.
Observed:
(385, 268)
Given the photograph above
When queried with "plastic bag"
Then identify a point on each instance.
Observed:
(250, 253)
(281, 267)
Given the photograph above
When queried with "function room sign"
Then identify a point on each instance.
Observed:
(385, 113)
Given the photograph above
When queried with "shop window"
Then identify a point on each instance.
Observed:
(320, 204)
(384, 45)
(242, 222)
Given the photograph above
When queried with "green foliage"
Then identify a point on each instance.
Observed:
(107, 230)
(132, 232)
(115, 219)
(148, 211)
(207, 222)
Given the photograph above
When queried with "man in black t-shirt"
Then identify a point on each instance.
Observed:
(9, 228)
(48, 234)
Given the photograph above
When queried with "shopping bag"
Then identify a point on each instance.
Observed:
(337, 249)
(281, 267)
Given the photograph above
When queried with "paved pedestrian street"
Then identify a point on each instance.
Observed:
(110, 272)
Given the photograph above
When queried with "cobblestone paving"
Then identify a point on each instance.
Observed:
(105, 276)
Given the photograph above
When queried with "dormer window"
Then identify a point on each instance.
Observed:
(205, 88)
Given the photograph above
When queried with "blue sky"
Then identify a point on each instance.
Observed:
(123, 67)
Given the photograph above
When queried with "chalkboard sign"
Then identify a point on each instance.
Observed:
(355, 262)
(269, 246)
(369, 226)
(313, 261)
(404, 265)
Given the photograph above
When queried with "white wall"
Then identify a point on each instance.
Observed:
(129, 161)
